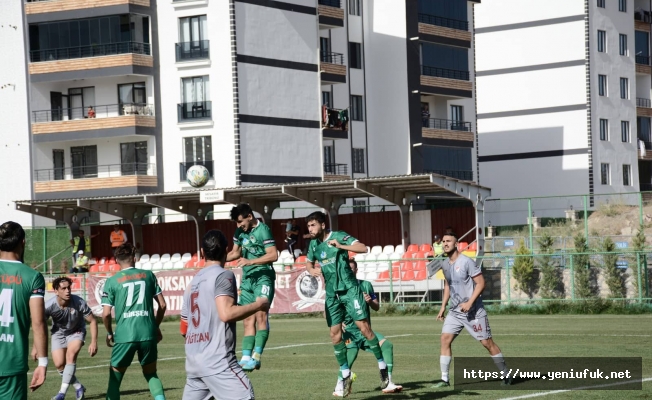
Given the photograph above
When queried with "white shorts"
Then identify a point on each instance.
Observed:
(476, 323)
(60, 341)
(231, 384)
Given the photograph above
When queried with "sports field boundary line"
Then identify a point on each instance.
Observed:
(541, 394)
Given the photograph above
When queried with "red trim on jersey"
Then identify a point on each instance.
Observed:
(236, 374)
(184, 326)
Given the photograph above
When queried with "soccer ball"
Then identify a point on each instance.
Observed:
(197, 176)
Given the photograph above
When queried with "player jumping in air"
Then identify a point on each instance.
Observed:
(355, 341)
(208, 319)
(343, 294)
(463, 286)
(69, 315)
(132, 293)
(21, 301)
(254, 246)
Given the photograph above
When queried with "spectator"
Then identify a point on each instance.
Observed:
(81, 265)
(80, 242)
(291, 235)
(118, 237)
(425, 115)
(437, 246)
(90, 112)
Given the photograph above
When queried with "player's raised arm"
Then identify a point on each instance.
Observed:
(348, 243)
(37, 313)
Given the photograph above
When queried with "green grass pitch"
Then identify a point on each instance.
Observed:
(298, 362)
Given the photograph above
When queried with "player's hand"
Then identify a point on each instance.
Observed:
(465, 307)
(159, 336)
(367, 298)
(38, 378)
(243, 262)
(440, 316)
(334, 243)
(263, 303)
(315, 272)
(109, 340)
(92, 349)
(34, 354)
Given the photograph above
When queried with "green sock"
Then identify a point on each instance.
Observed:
(340, 354)
(261, 340)
(247, 345)
(115, 378)
(373, 346)
(388, 355)
(155, 386)
(351, 355)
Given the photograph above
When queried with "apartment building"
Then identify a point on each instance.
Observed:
(563, 98)
(123, 96)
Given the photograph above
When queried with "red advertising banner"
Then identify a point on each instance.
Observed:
(296, 291)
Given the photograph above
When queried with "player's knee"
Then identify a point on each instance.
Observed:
(386, 344)
(446, 339)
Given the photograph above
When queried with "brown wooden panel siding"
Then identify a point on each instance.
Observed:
(92, 123)
(94, 183)
(78, 64)
(67, 5)
(444, 32)
(336, 177)
(643, 112)
(647, 156)
(643, 69)
(336, 69)
(641, 26)
(446, 83)
(447, 134)
(332, 12)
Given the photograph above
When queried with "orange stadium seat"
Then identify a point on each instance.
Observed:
(201, 263)
(103, 268)
(396, 274)
(114, 267)
(412, 248)
(408, 266)
(461, 246)
(383, 276)
(408, 275)
(190, 264)
(473, 246)
(420, 275)
(420, 266)
(231, 264)
(425, 247)
(94, 268)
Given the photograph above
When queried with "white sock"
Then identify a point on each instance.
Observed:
(339, 386)
(390, 377)
(499, 360)
(67, 377)
(445, 363)
(246, 358)
(76, 384)
(346, 372)
(382, 365)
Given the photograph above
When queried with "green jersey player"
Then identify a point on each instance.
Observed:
(132, 292)
(255, 250)
(343, 295)
(21, 300)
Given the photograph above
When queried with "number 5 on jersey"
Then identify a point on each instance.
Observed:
(130, 292)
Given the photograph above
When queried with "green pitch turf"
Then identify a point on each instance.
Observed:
(299, 364)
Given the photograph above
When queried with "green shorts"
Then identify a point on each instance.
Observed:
(346, 302)
(123, 353)
(354, 339)
(14, 387)
(257, 283)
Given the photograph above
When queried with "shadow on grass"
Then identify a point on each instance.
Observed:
(101, 396)
(409, 387)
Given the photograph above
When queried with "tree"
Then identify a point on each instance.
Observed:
(612, 275)
(550, 281)
(582, 269)
(639, 246)
(523, 269)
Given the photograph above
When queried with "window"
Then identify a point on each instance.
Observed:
(357, 113)
(624, 88)
(457, 119)
(355, 55)
(324, 49)
(602, 41)
(627, 175)
(84, 161)
(133, 158)
(602, 85)
(57, 157)
(604, 129)
(601, 3)
(622, 5)
(79, 99)
(193, 38)
(359, 206)
(354, 7)
(624, 131)
(623, 44)
(197, 151)
(604, 174)
(329, 160)
(326, 99)
(195, 95)
(358, 161)
(131, 98)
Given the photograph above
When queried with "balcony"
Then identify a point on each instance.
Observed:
(70, 181)
(335, 123)
(642, 21)
(332, 68)
(456, 174)
(72, 59)
(335, 172)
(445, 129)
(185, 166)
(331, 14)
(444, 22)
(643, 65)
(446, 82)
(192, 51)
(644, 153)
(75, 123)
(433, 28)
(33, 7)
(646, 187)
(643, 107)
(194, 111)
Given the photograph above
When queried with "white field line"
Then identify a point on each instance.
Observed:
(541, 394)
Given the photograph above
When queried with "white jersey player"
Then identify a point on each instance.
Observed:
(208, 318)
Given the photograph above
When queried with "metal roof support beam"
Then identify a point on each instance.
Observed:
(128, 212)
(195, 210)
(328, 202)
(57, 214)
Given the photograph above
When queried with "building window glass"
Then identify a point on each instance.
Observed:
(627, 175)
(601, 3)
(604, 174)
(624, 131)
(604, 129)
(358, 161)
(602, 41)
(622, 5)
(354, 7)
(357, 111)
(624, 88)
(602, 85)
(355, 55)
(623, 44)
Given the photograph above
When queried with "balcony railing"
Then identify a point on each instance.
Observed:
(335, 169)
(185, 166)
(644, 60)
(94, 171)
(644, 103)
(192, 50)
(646, 187)
(447, 124)
(94, 50)
(111, 110)
(445, 73)
(331, 3)
(334, 118)
(457, 174)
(332, 58)
(643, 16)
(445, 22)
(195, 110)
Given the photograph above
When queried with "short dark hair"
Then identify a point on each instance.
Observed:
(353, 261)
(214, 245)
(81, 231)
(453, 234)
(125, 253)
(57, 282)
(318, 216)
(241, 210)
(11, 236)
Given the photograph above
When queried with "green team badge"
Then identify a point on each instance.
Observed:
(323, 254)
(252, 239)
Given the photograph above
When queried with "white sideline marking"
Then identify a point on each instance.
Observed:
(239, 351)
(541, 394)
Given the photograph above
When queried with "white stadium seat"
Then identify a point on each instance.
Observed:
(395, 256)
(371, 257)
(144, 258)
(376, 250)
(284, 254)
(371, 276)
(389, 249)
(154, 258)
(185, 257)
(360, 275)
(139, 265)
(359, 257)
(178, 264)
(147, 266)
(175, 257)
(167, 265)
(297, 253)
(156, 266)
(165, 258)
(368, 249)
(383, 260)
(399, 249)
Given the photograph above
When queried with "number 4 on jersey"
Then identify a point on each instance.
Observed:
(5, 307)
